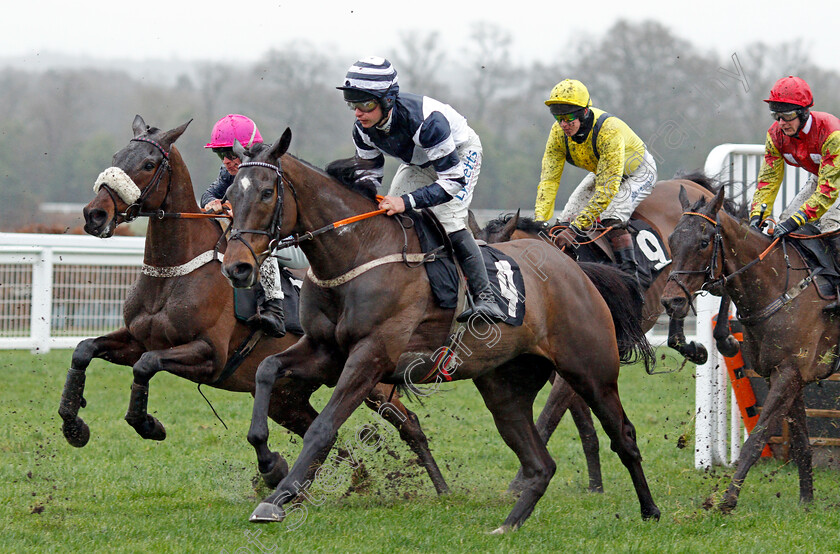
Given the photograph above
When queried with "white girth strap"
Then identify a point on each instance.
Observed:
(119, 181)
(183, 269)
(355, 272)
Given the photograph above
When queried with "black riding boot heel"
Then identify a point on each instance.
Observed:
(469, 256)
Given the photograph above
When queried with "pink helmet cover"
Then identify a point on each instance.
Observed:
(234, 126)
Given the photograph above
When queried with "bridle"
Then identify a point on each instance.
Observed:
(273, 232)
(711, 281)
(132, 212)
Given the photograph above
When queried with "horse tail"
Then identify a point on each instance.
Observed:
(625, 301)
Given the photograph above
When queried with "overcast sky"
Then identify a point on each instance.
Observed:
(226, 31)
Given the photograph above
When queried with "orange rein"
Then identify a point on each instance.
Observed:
(355, 218)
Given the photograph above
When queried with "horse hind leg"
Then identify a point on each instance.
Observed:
(406, 422)
(509, 392)
(604, 400)
(801, 450)
(561, 398)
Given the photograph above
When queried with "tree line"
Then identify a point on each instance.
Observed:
(61, 127)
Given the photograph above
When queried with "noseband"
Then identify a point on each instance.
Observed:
(273, 232)
(709, 271)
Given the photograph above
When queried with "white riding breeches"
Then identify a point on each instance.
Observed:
(452, 214)
(633, 189)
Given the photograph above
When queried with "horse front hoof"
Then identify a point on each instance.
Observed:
(503, 530)
(151, 429)
(76, 432)
(267, 512)
(279, 470)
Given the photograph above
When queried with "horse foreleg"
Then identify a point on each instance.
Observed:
(118, 347)
(509, 393)
(357, 379)
(384, 401)
(193, 360)
(800, 449)
(284, 394)
(785, 386)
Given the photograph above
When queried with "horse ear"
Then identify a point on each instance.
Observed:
(238, 149)
(169, 137)
(509, 228)
(684, 202)
(718, 201)
(281, 145)
(138, 126)
(473, 224)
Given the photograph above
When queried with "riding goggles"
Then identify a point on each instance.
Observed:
(225, 153)
(566, 117)
(787, 116)
(365, 106)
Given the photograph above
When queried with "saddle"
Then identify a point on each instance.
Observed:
(819, 258)
(503, 272)
(651, 253)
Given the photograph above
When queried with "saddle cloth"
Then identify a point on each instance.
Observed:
(503, 271)
(651, 254)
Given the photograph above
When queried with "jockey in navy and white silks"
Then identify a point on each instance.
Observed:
(440, 155)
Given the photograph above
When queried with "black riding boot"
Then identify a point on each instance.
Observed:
(270, 316)
(835, 245)
(469, 256)
(622, 244)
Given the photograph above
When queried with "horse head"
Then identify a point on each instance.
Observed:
(134, 182)
(262, 211)
(697, 253)
(500, 229)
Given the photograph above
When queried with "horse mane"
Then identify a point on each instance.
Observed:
(344, 171)
(528, 224)
(730, 206)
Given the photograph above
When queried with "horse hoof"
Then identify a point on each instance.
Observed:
(267, 512)
(279, 470)
(698, 354)
(653, 514)
(503, 530)
(77, 433)
(151, 429)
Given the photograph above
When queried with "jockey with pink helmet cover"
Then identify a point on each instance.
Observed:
(802, 138)
(270, 316)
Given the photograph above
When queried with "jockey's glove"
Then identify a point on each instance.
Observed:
(787, 226)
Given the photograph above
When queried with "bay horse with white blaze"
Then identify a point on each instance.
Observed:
(179, 314)
(366, 320)
(787, 336)
(661, 211)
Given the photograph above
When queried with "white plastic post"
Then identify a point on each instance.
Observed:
(42, 293)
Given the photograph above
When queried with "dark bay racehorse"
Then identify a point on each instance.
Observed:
(367, 320)
(183, 321)
(788, 337)
(661, 210)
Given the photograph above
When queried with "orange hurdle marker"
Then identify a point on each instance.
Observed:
(741, 386)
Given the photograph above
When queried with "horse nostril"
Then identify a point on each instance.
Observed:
(241, 271)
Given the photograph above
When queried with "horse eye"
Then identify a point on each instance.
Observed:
(704, 243)
(267, 194)
(149, 166)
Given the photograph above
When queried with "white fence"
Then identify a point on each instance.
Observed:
(737, 165)
(56, 290)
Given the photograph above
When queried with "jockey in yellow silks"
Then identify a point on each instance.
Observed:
(622, 171)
